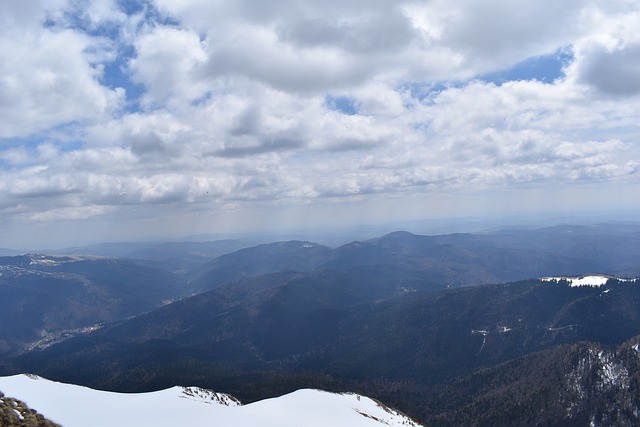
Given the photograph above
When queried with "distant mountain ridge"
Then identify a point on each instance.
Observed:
(300, 256)
(398, 317)
(47, 294)
(441, 261)
(176, 257)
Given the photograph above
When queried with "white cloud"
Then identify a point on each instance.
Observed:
(99, 12)
(47, 78)
(612, 70)
(607, 58)
(67, 213)
(236, 104)
(167, 63)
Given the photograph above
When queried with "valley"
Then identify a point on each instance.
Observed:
(445, 328)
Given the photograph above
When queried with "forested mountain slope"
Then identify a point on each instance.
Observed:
(577, 384)
(44, 295)
(442, 261)
(299, 331)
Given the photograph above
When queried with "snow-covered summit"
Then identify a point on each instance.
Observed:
(72, 405)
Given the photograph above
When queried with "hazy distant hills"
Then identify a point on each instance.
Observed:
(399, 318)
(443, 260)
(614, 248)
(454, 260)
(45, 295)
(438, 262)
(258, 260)
(177, 257)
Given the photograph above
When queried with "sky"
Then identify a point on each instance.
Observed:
(155, 119)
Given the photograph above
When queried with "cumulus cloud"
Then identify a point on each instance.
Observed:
(167, 63)
(608, 58)
(47, 74)
(198, 105)
(612, 71)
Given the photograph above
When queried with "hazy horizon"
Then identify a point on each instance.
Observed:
(334, 236)
(159, 120)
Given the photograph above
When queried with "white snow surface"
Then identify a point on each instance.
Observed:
(72, 405)
(595, 280)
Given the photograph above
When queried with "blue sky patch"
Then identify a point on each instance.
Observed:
(31, 143)
(116, 75)
(426, 92)
(546, 68)
(206, 97)
(343, 104)
(131, 7)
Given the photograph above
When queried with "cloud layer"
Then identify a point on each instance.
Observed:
(126, 110)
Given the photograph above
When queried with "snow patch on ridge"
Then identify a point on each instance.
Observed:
(595, 280)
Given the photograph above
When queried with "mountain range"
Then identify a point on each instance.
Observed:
(445, 328)
(45, 295)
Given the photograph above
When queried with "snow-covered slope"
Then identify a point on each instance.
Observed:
(72, 405)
